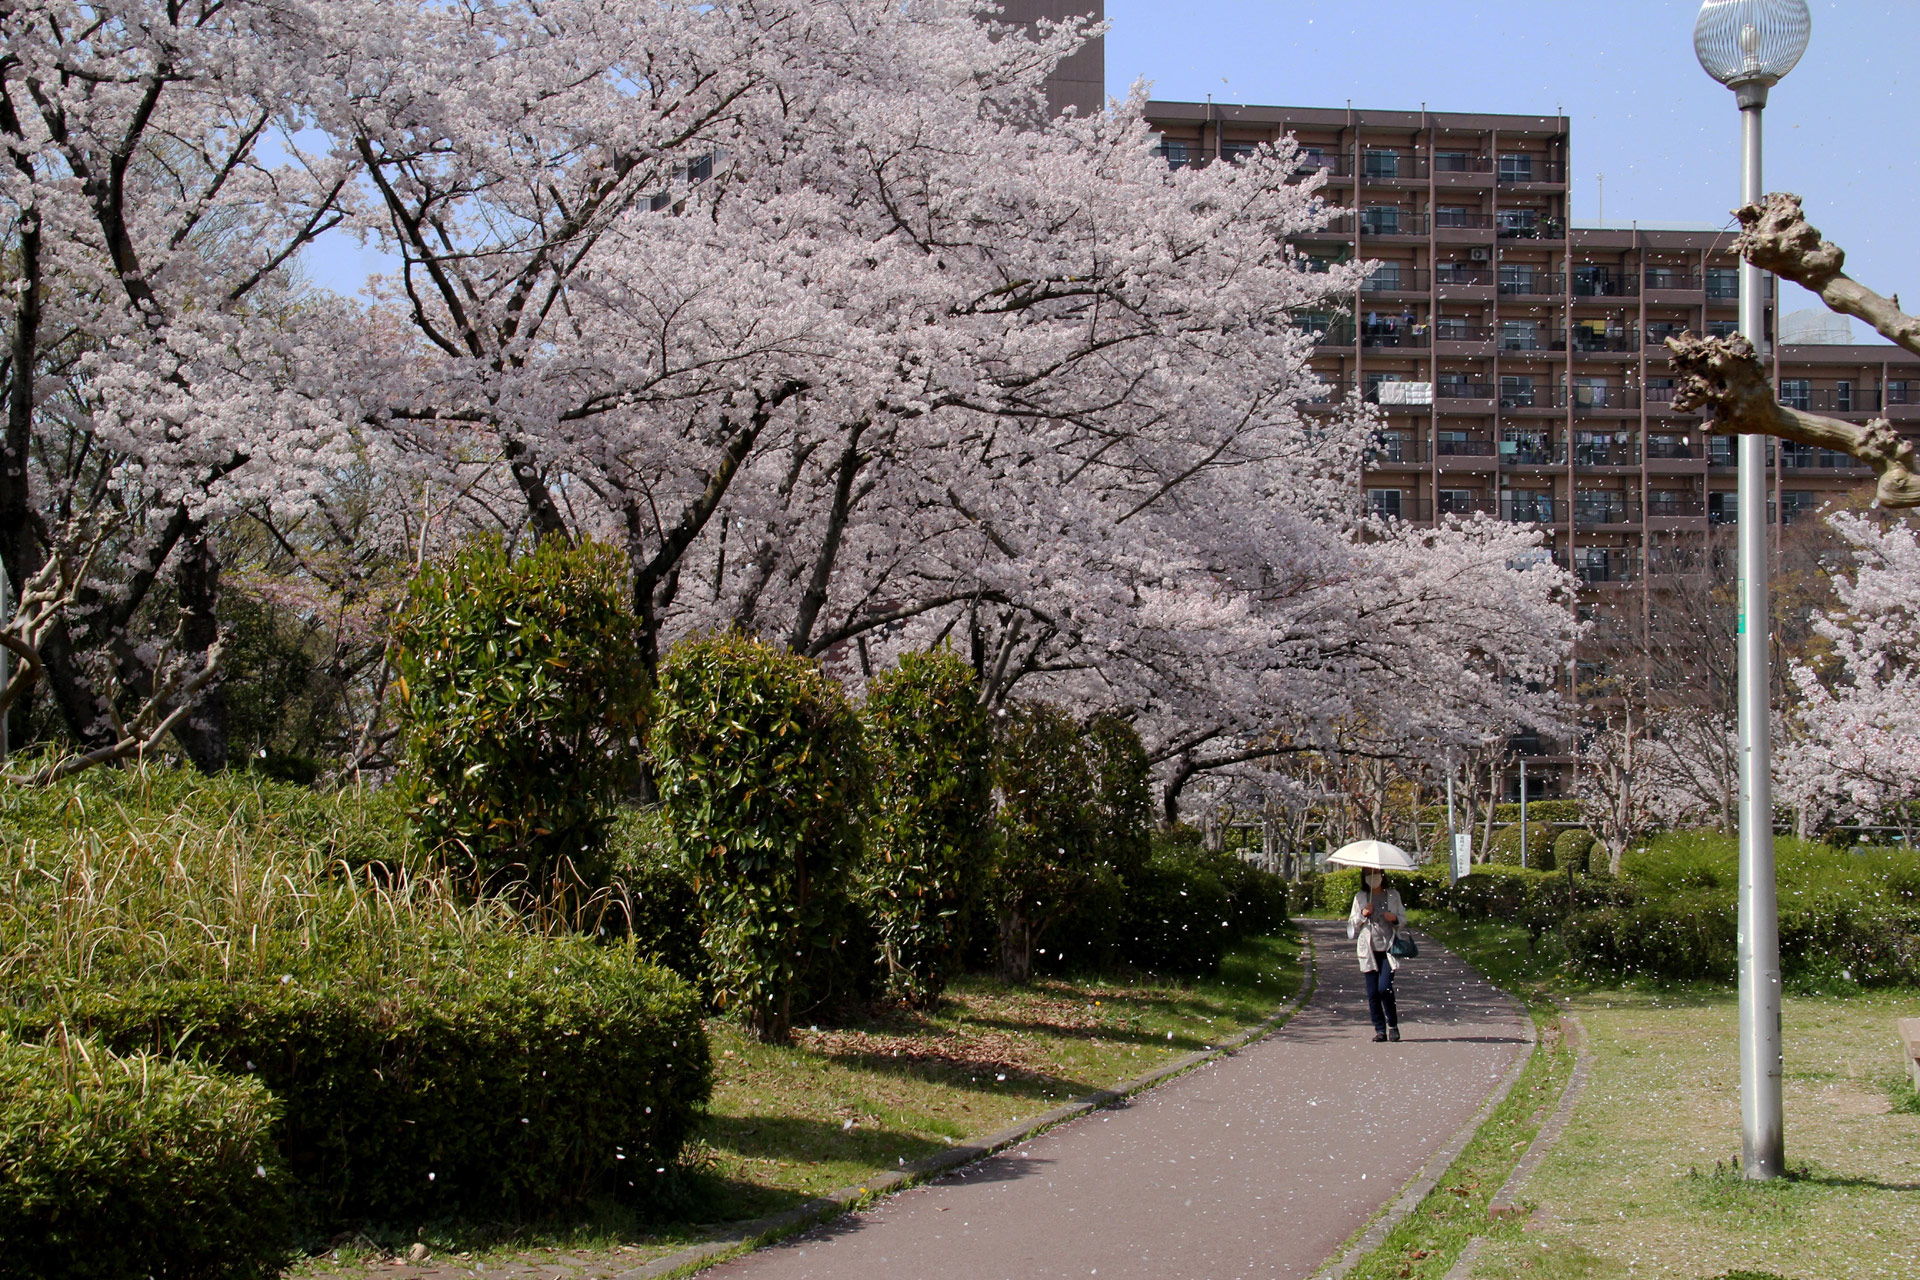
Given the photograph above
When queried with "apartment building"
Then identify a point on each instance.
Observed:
(1519, 359)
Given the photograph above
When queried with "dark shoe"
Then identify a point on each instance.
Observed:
(1393, 1033)
(1379, 1037)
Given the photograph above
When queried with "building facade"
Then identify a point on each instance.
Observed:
(1519, 359)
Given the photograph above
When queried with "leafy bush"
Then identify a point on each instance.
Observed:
(1504, 849)
(762, 777)
(1337, 885)
(1122, 793)
(528, 1078)
(653, 890)
(1049, 826)
(523, 701)
(1681, 939)
(136, 1166)
(1178, 915)
(930, 833)
(1573, 848)
(404, 1030)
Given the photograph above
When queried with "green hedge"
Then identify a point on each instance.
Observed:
(653, 896)
(763, 778)
(403, 1028)
(113, 1167)
(929, 848)
(1504, 850)
(522, 701)
(1050, 831)
(1574, 848)
(519, 1078)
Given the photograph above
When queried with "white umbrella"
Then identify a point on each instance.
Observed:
(1373, 853)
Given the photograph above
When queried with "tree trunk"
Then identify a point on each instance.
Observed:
(1016, 945)
(203, 734)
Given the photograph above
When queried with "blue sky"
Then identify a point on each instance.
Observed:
(1623, 71)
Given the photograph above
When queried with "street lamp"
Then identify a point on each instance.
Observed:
(1748, 45)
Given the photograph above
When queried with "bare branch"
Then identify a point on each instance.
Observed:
(1776, 236)
(1725, 375)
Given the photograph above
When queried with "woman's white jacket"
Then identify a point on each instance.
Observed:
(1372, 933)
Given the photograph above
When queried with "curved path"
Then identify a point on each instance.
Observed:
(1257, 1164)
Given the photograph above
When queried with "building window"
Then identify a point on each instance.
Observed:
(1382, 163)
(1900, 391)
(1380, 220)
(1519, 222)
(1516, 168)
(1456, 502)
(1591, 393)
(1516, 389)
(1796, 393)
(1392, 446)
(1236, 150)
(1723, 508)
(1843, 396)
(1452, 161)
(1517, 277)
(1723, 282)
(1384, 503)
(1175, 153)
(1457, 328)
(1452, 215)
(1722, 328)
(1519, 335)
(1796, 503)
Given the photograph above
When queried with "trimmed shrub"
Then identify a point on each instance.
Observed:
(522, 701)
(1573, 848)
(1256, 899)
(930, 829)
(1178, 915)
(1049, 828)
(1122, 793)
(525, 1079)
(762, 778)
(1504, 850)
(136, 1166)
(1680, 939)
(653, 895)
(404, 1030)
(1337, 885)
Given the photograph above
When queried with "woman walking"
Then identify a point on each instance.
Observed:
(1376, 917)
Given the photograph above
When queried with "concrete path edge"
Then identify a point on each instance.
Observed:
(1507, 1200)
(753, 1234)
(1436, 1168)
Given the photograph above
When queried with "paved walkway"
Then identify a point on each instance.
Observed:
(1256, 1165)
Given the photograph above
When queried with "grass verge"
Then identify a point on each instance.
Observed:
(849, 1100)
(1646, 1179)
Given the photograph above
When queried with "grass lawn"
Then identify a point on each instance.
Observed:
(848, 1100)
(1645, 1181)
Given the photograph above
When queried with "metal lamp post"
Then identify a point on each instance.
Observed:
(1748, 45)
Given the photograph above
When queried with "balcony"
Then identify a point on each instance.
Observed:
(1454, 220)
(1395, 449)
(1311, 162)
(1459, 162)
(1603, 453)
(1391, 166)
(1527, 449)
(1595, 510)
(1527, 340)
(1675, 450)
(1517, 228)
(1829, 399)
(1392, 279)
(1537, 284)
(1659, 281)
(1608, 286)
(1390, 505)
(1454, 275)
(1674, 506)
(1616, 340)
(1597, 400)
(1450, 329)
(1801, 457)
(1659, 331)
(1326, 332)
(1526, 508)
(1392, 222)
(1458, 447)
(1598, 565)
(1393, 333)
(1463, 503)
(1463, 390)
(1515, 170)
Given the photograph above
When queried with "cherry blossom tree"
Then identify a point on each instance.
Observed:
(1853, 742)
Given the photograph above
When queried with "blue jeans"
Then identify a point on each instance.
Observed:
(1380, 1005)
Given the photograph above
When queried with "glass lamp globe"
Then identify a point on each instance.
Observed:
(1751, 42)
